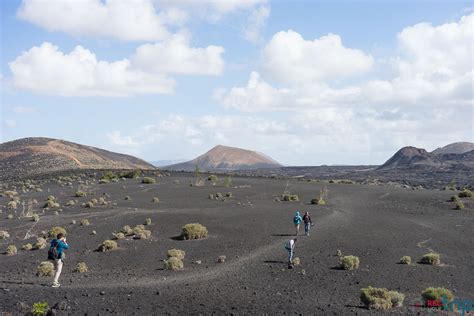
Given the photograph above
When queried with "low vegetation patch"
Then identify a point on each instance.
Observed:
(119, 236)
(148, 221)
(11, 250)
(155, 200)
(213, 178)
(35, 218)
(221, 259)
(173, 264)
(454, 198)
(84, 222)
(349, 263)
(148, 180)
(296, 261)
(431, 258)
(81, 267)
(80, 194)
(466, 193)
(380, 298)
(45, 268)
(405, 260)
(27, 246)
(40, 309)
(4, 234)
(54, 231)
(194, 231)
(436, 294)
(10, 194)
(177, 253)
(108, 245)
(40, 243)
(459, 205)
(290, 197)
(12, 205)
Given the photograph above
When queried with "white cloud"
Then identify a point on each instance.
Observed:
(176, 56)
(24, 109)
(125, 20)
(434, 68)
(289, 58)
(45, 69)
(131, 20)
(255, 23)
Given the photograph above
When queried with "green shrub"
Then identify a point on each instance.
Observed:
(108, 245)
(194, 231)
(35, 218)
(80, 194)
(431, 258)
(437, 293)
(221, 259)
(148, 180)
(290, 197)
(11, 250)
(148, 221)
(466, 193)
(177, 253)
(106, 177)
(380, 298)
(84, 222)
(4, 234)
(212, 178)
(132, 174)
(27, 246)
(405, 260)
(54, 231)
(45, 268)
(81, 267)
(40, 309)
(349, 262)
(459, 205)
(174, 264)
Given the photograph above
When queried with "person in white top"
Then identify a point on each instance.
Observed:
(290, 247)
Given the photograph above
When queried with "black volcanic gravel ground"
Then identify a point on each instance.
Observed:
(379, 224)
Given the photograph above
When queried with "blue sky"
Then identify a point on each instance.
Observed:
(306, 82)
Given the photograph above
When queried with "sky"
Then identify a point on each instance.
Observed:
(305, 82)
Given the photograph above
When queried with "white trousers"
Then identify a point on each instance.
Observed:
(58, 264)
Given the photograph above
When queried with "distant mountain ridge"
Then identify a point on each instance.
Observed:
(456, 155)
(36, 155)
(225, 158)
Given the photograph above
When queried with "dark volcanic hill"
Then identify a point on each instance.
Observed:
(36, 155)
(454, 148)
(224, 158)
(410, 156)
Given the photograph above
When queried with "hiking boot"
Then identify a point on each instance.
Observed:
(56, 285)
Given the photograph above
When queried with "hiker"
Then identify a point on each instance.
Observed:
(290, 247)
(56, 253)
(297, 221)
(307, 223)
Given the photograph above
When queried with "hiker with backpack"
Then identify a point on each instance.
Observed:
(56, 253)
(290, 247)
(307, 223)
(297, 221)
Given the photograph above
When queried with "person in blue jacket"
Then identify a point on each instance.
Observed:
(56, 253)
(297, 221)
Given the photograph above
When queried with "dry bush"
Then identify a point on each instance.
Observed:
(221, 259)
(71, 203)
(12, 205)
(296, 261)
(338, 253)
(45, 268)
(119, 236)
(127, 230)
(80, 194)
(54, 231)
(454, 198)
(4, 234)
(177, 253)
(40, 243)
(27, 246)
(212, 178)
(35, 218)
(84, 222)
(290, 197)
(142, 234)
(174, 264)
(11, 250)
(81, 267)
(431, 258)
(459, 205)
(108, 245)
(194, 231)
(381, 298)
(148, 180)
(466, 193)
(228, 194)
(51, 204)
(148, 221)
(155, 200)
(349, 262)
(436, 294)
(10, 194)
(405, 260)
